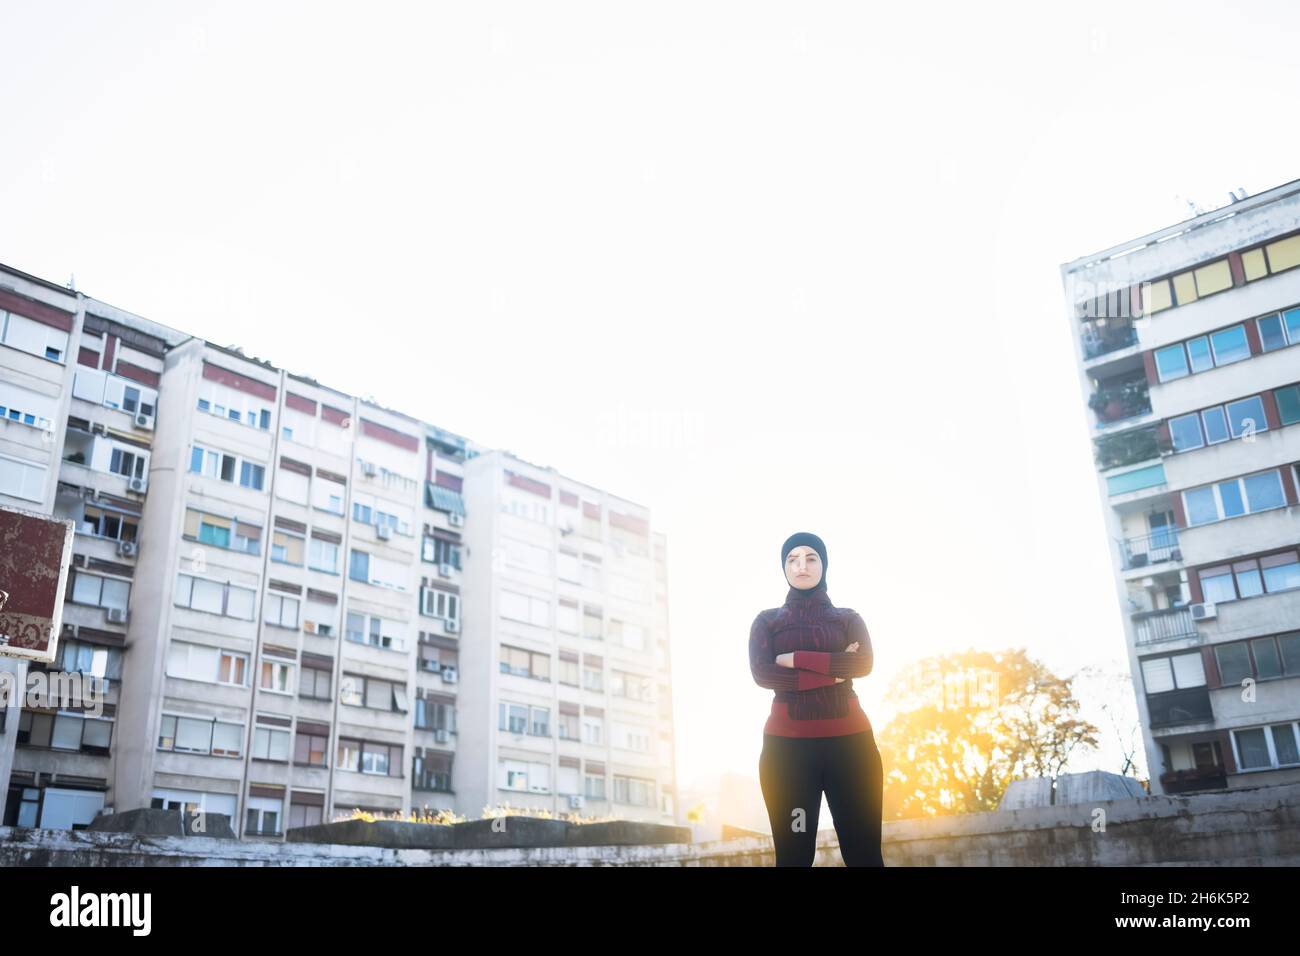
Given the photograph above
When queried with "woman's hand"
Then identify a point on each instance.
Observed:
(853, 647)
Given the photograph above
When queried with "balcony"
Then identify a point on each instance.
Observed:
(1187, 781)
(1117, 400)
(1128, 448)
(1149, 549)
(1169, 624)
(1174, 707)
(1105, 336)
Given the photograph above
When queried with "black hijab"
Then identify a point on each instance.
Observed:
(811, 540)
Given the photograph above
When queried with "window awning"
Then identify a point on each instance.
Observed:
(443, 499)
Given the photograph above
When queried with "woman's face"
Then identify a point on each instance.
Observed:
(803, 567)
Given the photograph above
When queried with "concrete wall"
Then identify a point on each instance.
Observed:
(1237, 828)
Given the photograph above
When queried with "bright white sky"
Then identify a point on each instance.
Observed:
(816, 247)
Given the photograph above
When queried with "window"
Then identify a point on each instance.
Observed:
(1201, 353)
(127, 464)
(593, 623)
(221, 531)
(366, 509)
(632, 686)
(1250, 578)
(1263, 748)
(64, 731)
(521, 718)
(35, 338)
(202, 662)
(368, 757)
(634, 790)
(89, 659)
(1259, 658)
(22, 479)
(1238, 419)
(315, 683)
(371, 692)
(1234, 497)
(1288, 404)
(435, 602)
(287, 548)
(525, 663)
(522, 607)
(252, 476)
(376, 570)
(359, 566)
(376, 631)
(323, 556)
(438, 551)
(233, 404)
(327, 495)
(309, 749)
(100, 591)
(1174, 672)
(1279, 330)
(201, 735)
(216, 464)
(281, 611)
(292, 486)
(277, 677)
(27, 407)
(270, 743)
(214, 597)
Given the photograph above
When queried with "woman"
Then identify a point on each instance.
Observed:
(817, 736)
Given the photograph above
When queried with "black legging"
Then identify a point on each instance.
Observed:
(793, 772)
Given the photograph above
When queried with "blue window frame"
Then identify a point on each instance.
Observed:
(1230, 345)
(1246, 416)
(359, 566)
(1171, 362)
(1199, 349)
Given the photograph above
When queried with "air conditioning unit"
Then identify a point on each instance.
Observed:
(451, 627)
(138, 484)
(449, 675)
(575, 801)
(368, 469)
(441, 736)
(117, 615)
(97, 428)
(1203, 612)
(456, 518)
(144, 421)
(444, 570)
(126, 549)
(383, 532)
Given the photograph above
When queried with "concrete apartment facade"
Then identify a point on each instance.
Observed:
(269, 584)
(1187, 342)
(569, 588)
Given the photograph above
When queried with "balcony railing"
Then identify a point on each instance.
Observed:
(1202, 778)
(1169, 624)
(1127, 448)
(1150, 549)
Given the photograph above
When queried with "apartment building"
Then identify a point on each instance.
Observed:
(566, 590)
(1188, 348)
(267, 582)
